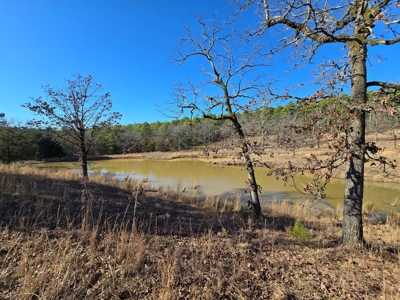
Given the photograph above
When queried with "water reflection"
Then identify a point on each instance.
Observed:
(229, 181)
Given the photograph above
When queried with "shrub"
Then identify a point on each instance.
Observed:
(299, 231)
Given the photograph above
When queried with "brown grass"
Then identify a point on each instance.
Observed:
(280, 156)
(103, 239)
(159, 155)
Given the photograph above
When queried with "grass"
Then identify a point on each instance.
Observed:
(159, 155)
(104, 239)
(280, 156)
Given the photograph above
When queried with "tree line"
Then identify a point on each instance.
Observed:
(270, 126)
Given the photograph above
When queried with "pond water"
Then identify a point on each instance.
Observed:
(228, 181)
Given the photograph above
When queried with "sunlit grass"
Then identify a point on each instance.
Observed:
(166, 244)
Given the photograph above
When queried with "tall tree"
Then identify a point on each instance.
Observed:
(355, 25)
(17, 142)
(231, 84)
(49, 147)
(2, 119)
(75, 113)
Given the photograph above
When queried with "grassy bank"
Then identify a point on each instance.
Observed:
(103, 239)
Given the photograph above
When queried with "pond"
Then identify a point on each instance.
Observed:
(228, 181)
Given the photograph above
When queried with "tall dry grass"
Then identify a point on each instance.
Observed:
(64, 239)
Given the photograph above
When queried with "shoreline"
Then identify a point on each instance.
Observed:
(226, 158)
(335, 201)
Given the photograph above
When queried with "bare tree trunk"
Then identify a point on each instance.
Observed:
(84, 164)
(255, 200)
(8, 152)
(294, 146)
(352, 231)
(83, 154)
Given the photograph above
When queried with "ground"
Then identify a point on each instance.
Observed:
(62, 238)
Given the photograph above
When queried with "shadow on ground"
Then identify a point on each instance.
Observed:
(31, 202)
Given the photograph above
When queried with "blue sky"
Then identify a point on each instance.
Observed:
(125, 44)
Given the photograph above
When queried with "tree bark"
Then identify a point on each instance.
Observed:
(352, 231)
(83, 154)
(84, 165)
(255, 200)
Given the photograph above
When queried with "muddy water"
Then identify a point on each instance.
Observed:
(229, 181)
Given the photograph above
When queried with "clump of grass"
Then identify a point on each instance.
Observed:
(393, 219)
(195, 184)
(237, 204)
(368, 207)
(213, 202)
(223, 205)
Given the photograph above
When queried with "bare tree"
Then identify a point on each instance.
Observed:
(231, 84)
(355, 25)
(75, 113)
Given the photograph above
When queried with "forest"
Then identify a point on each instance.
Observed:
(20, 142)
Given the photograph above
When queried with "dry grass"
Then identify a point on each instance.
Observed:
(62, 239)
(281, 156)
(159, 155)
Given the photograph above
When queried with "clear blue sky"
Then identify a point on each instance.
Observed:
(125, 44)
